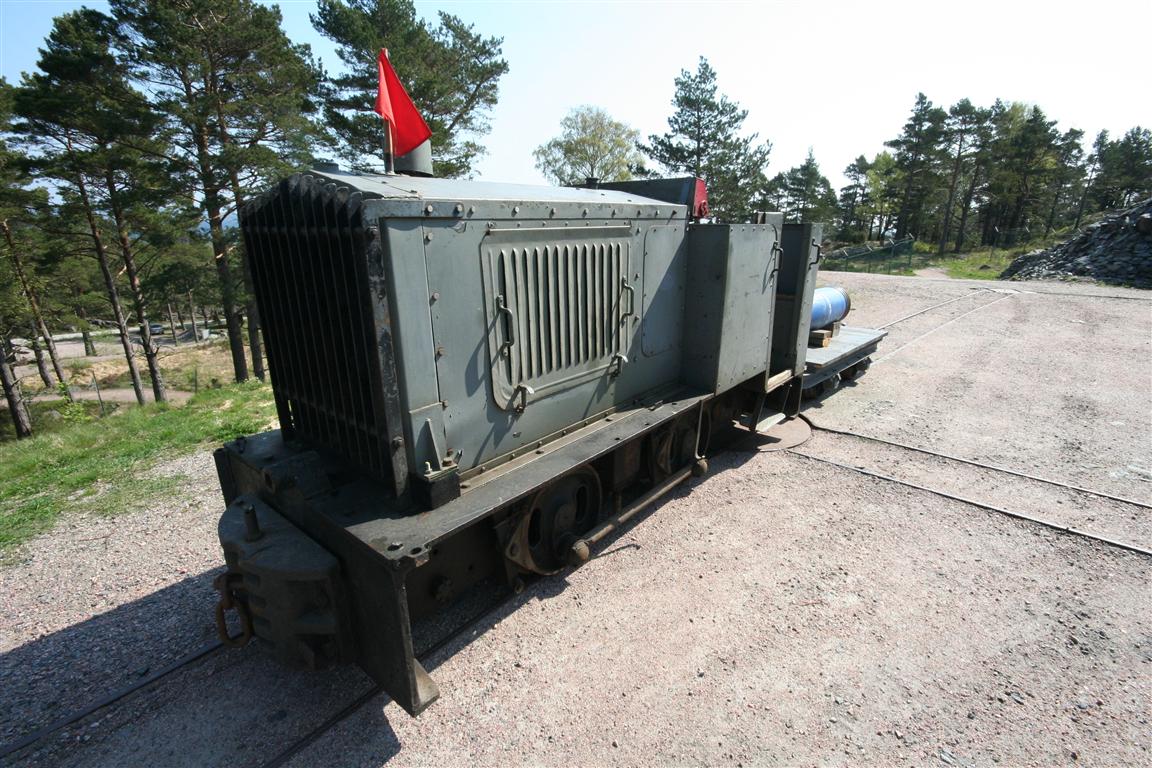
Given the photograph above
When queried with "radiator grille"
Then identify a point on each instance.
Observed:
(306, 246)
(567, 306)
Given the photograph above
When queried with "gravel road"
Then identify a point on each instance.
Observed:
(777, 612)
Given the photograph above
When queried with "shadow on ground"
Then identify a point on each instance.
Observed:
(232, 707)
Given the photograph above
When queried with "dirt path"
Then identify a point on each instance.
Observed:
(117, 395)
(931, 272)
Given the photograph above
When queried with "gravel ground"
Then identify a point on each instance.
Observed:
(777, 612)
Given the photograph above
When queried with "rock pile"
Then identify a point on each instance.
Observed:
(1116, 250)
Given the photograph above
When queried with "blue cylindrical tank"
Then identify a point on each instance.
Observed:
(829, 304)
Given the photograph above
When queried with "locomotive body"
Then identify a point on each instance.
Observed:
(477, 382)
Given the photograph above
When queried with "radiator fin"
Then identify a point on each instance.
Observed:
(306, 246)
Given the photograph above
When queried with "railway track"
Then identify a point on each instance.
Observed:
(982, 505)
(298, 746)
(40, 734)
(974, 463)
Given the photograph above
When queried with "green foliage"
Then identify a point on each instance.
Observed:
(451, 73)
(980, 264)
(704, 140)
(236, 96)
(98, 466)
(999, 176)
(918, 152)
(54, 415)
(590, 145)
(1124, 168)
(803, 193)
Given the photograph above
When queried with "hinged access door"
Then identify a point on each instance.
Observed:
(558, 303)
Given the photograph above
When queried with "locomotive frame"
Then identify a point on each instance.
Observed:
(480, 381)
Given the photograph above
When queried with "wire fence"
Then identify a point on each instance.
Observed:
(871, 258)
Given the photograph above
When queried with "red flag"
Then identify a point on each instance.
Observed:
(394, 105)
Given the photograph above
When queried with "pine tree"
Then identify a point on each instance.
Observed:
(805, 194)
(960, 136)
(883, 196)
(236, 95)
(451, 73)
(13, 308)
(1069, 172)
(704, 140)
(853, 197)
(93, 133)
(917, 157)
(1125, 164)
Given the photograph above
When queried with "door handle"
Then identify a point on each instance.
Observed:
(509, 328)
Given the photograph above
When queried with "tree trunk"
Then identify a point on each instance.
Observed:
(213, 207)
(85, 333)
(41, 365)
(1084, 198)
(16, 408)
(254, 343)
(953, 183)
(110, 286)
(192, 316)
(172, 326)
(965, 208)
(1051, 221)
(34, 305)
(129, 258)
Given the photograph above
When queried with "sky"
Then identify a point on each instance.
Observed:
(838, 78)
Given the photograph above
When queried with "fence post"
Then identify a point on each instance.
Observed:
(99, 397)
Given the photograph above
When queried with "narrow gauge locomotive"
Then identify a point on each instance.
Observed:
(477, 381)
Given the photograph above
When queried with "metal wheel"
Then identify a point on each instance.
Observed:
(557, 515)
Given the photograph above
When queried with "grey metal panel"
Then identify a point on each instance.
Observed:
(663, 286)
(748, 305)
(406, 273)
(799, 263)
(464, 328)
(520, 205)
(728, 311)
(525, 474)
(421, 188)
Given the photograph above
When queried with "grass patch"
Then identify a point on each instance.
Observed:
(50, 416)
(978, 265)
(981, 264)
(95, 465)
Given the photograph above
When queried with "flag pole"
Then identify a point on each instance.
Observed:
(389, 155)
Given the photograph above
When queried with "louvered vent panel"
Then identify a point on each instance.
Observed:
(306, 246)
(567, 306)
